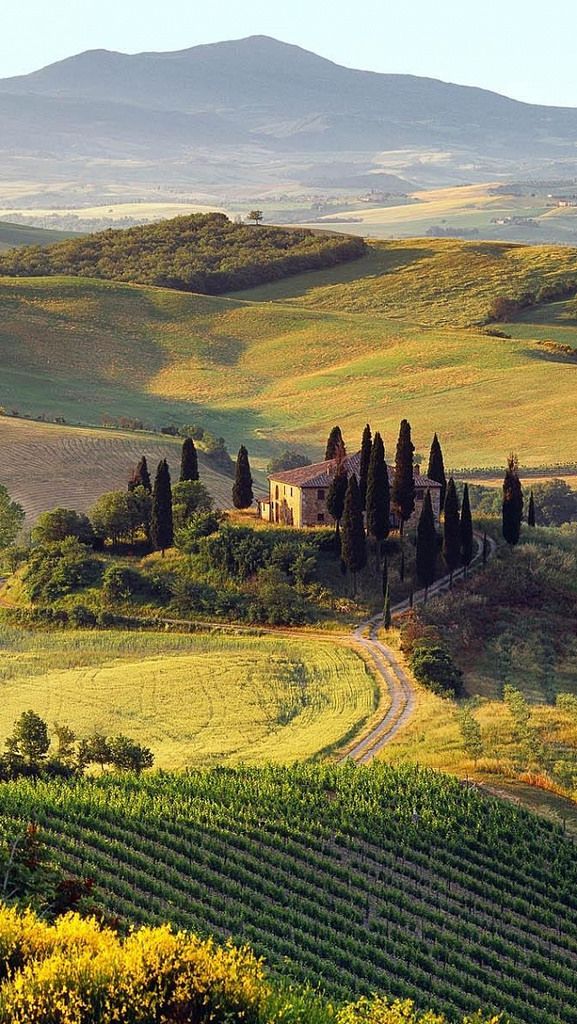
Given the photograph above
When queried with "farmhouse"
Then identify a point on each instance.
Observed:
(298, 497)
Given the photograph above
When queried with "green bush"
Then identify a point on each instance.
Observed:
(55, 570)
(432, 665)
(59, 523)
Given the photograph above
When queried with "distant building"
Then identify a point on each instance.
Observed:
(298, 497)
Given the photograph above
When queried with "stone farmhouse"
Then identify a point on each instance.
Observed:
(298, 497)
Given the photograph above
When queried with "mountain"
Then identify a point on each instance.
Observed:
(279, 109)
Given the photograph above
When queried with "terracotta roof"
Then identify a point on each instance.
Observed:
(322, 474)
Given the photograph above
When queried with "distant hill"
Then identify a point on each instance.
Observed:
(20, 234)
(200, 253)
(264, 100)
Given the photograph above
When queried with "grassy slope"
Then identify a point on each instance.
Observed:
(72, 467)
(369, 338)
(360, 879)
(22, 234)
(192, 699)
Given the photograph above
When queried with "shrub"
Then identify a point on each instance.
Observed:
(432, 665)
(82, 617)
(55, 570)
(120, 582)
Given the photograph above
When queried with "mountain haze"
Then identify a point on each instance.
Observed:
(278, 110)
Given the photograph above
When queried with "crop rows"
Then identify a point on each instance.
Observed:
(362, 879)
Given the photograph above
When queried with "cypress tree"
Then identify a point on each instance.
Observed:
(387, 618)
(485, 548)
(404, 481)
(452, 530)
(385, 576)
(378, 495)
(436, 470)
(336, 495)
(334, 442)
(353, 541)
(426, 559)
(366, 450)
(188, 461)
(161, 526)
(531, 511)
(512, 502)
(466, 530)
(242, 496)
(140, 477)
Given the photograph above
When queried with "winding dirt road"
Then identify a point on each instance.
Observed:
(399, 686)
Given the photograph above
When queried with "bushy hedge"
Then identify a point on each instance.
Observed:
(199, 253)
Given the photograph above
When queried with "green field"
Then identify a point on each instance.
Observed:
(398, 881)
(192, 699)
(12, 235)
(378, 339)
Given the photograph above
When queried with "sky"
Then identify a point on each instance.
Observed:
(517, 47)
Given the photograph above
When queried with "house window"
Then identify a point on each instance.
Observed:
(320, 493)
(419, 494)
(276, 492)
(320, 517)
(291, 492)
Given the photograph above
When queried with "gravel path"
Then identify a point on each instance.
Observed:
(399, 686)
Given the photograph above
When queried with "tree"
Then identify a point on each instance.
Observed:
(161, 525)
(94, 750)
(353, 541)
(256, 216)
(59, 523)
(467, 540)
(387, 618)
(29, 741)
(128, 755)
(140, 477)
(366, 449)
(334, 443)
(188, 461)
(436, 470)
(336, 494)
(512, 502)
(452, 530)
(188, 497)
(66, 737)
(242, 494)
(11, 518)
(531, 511)
(378, 500)
(471, 735)
(427, 548)
(403, 496)
(289, 459)
(111, 516)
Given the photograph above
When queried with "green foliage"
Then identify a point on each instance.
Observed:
(120, 582)
(531, 510)
(141, 476)
(161, 522)
(242, 493)
(29, 741)
(189, 497)
(127, 755)
(54, 570)
(427, 544)
(335, 444)
(432, 665)
(378, 499)
(198, 525)
(366, 449)
(403, 492)
(512, 502)
(121, 515)
(336, 494)
(452, 529)
(353, 543)
(188, 461)
(59, 523)
(198, 253)
(471, 734)
(436, 467)
(289, 459)
(11, 518)
(467, 537)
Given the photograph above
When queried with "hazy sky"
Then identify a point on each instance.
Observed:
(517, 47)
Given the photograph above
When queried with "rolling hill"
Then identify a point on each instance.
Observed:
(393, 880)
(12, 235)
(387, 336)
(259, 110)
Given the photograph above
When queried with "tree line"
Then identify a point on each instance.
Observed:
(204, 253)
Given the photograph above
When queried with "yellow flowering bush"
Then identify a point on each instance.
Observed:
(76, 972)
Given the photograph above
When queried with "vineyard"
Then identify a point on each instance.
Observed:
(195, 700)
(396, 880)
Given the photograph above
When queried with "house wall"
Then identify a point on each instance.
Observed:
(314, 508)
(285, 502)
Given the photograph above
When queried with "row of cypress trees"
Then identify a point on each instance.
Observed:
(161, 520)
